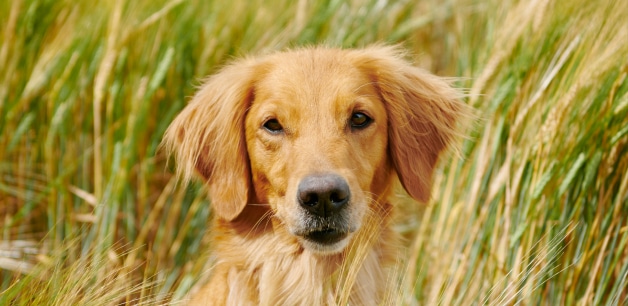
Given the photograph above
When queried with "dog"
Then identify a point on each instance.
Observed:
(300, 152)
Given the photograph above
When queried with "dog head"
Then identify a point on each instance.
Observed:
(318, 135)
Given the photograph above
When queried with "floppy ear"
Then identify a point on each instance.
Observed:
(207, 137)
(424, 114)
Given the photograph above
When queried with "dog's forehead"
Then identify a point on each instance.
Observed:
(312, 79)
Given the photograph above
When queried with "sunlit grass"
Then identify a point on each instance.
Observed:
(534, 210)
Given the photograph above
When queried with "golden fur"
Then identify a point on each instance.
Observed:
(254, 174)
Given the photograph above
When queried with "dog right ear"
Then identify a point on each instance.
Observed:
(425, 115)
(207, 138)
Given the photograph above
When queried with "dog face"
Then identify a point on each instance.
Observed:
(318, 135)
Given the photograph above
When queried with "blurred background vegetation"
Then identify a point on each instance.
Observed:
(533, 211)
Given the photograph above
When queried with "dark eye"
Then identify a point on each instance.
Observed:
(273, 126)
(360, 120)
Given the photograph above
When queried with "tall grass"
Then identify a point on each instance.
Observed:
(534, 210)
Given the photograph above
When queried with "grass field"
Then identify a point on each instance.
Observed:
(534, 210)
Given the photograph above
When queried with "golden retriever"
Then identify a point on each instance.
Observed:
(299, 152)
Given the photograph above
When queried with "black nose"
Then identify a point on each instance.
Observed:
(323, 194)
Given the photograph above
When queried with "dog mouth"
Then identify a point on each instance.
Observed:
(326, 236)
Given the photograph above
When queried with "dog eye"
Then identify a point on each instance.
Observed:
(360, 120)
(273, 126)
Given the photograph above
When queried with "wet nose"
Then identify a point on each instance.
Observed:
(323, 194)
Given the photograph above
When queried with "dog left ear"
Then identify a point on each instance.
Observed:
(207, 138)
(424, 114)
